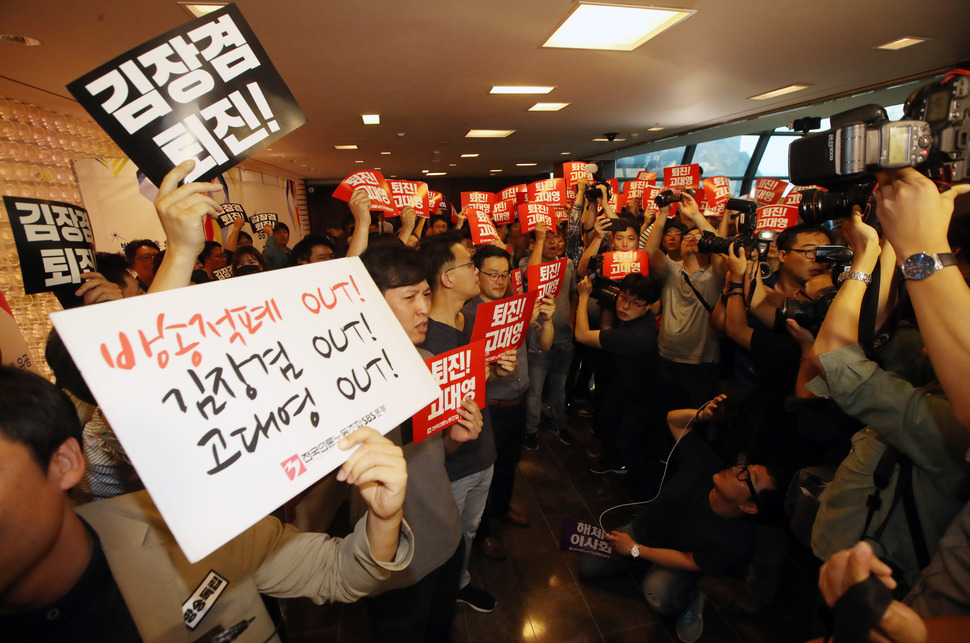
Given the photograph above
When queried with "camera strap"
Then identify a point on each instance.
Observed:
(701, 299)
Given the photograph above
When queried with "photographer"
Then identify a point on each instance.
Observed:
(621, 240)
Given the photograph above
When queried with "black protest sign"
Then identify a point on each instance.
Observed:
(54, 242)
(205, 91)
(260, 219)
(231, 212)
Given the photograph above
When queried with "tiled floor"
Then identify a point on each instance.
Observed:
(539, 596)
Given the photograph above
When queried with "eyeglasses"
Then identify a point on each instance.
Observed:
(808, 252)
(745, 476)
(629, 301)
(470, 263)
(495, 276)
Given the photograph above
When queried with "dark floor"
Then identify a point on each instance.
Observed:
(539, 596)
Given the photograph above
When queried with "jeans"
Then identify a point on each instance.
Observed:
(667, 590)
(555, 362)
(470, 493)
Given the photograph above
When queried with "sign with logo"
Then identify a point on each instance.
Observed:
(547, 277)
(530, 214)
(503, 323)
(461, 374)
(550, 192)
(617, 265)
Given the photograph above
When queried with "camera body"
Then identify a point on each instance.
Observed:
(605, 290)
(667, 197)
(811, 314)
(593, 191)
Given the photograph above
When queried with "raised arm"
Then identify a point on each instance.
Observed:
(408, 219)
(232, 241)
(582, 331)
(594, 246)
(658, 260)
(360, 208)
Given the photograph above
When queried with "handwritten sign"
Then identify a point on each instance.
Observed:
(549, 192)
(503, 323)
(205, 91)
(54, 241)
(372, 182)
(585, 538)
(777, 217)
(242, 397)
(503, 212)
(461, 374)
(530, 214)
(547, 278)
(768, 191)
(682, 176)
(617, 265)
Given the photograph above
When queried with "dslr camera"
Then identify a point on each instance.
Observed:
(605, 290)
(668, 197)
(746, 239)
(811, 314)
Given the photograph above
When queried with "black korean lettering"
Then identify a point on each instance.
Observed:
(251, 391)
(262, 428)
(220, 463)
(178, 399)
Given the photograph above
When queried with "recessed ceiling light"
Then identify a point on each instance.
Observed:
(436, 173)
(613, 27)
(565, 153)
(495, 170)
(606, 140)
(452, 165)
(654, 129)
(900, 43)
(489, 133)
(385, 153)
(523, 89)
(199, 9)
(775, 93)
(424, 171)
(345, 147)
(525, 164)
(358, 161)
(547, 107)
(377, 168)
(469, 156)
(371, 119)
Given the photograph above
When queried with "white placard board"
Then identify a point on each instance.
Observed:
(229, 397)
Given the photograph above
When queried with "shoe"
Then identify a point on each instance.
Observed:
(690, 624)
(531, 441)
(515, 518)
(564, 435)
(477, 599)
(600, 467)
(595, 448)
(492, 548)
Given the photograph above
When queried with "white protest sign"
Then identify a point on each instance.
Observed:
(229, 397)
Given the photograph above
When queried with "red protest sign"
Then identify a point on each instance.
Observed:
(650, 194)
(777, 217)
(682, 176)
(480, 200)
(461, 374)
(768, 191)
(620, 200)
(793, 198)
(573, 171)
(617, 265)
(547, 277)
(634, 189)
(649, 177)
(549, 192)
(481, 226)
(503, 212)
(517, 288)
(503, 323)
(530, 214)
(511, 192)
(716, 191)
(410, 193)
(371, 182)
(434, 201)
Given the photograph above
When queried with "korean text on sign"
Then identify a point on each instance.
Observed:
(546, 278)
(461, 374)
(503, 323)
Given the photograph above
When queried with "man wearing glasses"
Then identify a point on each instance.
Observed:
(698, 523)
(796, 262)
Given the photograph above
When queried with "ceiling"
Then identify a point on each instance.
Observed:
(427, 66)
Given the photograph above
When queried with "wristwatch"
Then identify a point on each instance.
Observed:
(635, 550)
(921, 265)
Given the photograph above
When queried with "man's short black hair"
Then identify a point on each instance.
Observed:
(36, 414)
(642, 287)
(673, 223)
(439, 252)
(66, 372)
(489, 251)
(114, 267)
(280, 226)
(786, 240)
(304, 248)
(392, 264)
(132, 247)
(207, 250)
(244, 235)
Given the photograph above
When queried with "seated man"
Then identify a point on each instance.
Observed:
(698, 523)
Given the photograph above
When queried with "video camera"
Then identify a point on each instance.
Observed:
(605, 290)
(668, 197)
(933, 138)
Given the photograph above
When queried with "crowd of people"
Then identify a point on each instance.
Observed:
(706, 392)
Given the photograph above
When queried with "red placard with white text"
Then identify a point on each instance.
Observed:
(547, 277)
(573, 171)
(372, 182)
(503, 212)
(434, 201)
(634, 189)
(650, 193)
(649, 177)
(513, 190)
(768, 191)
(481, 226)
(503, 323)
(777, 217)
(617, 265)
(517, 288)
(530, 214)
(549, 192)
(461, 374)
(682, 176)
(481, 200)
(716, 191)
(410, 193)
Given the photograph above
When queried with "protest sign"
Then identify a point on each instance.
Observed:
(682, 176)
(573, 171)
(481, 226)
(547, 277)
(716, 191)
(517, 287)
(205, 91)
(503, 323)
(372, 182)
(634, 189)
(550, 192)
(503, 212)
(777, 217)
(649, 177)
(461, 374)
(54, 242)
(222, 273)
(231, 212)
(530, 214)
(261, 219)
(242, 398)
(617, 265)
(513, 191)
(410, 193)
(434, 203)
(792, 198)
(768, 191)
(650, 194)
(481, 201)
(586, 538)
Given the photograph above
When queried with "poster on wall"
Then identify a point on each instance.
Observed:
(206, 91)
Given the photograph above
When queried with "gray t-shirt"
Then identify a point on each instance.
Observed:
(685, 327)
